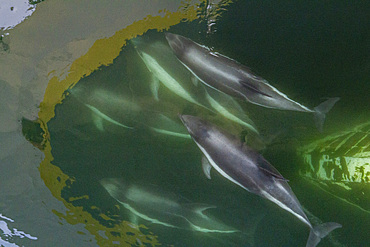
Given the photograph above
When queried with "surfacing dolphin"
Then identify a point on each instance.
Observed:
(229, 76)
(162, 207)
(245, 167)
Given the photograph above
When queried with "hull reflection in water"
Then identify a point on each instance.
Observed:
(340, 165)
(163, 208)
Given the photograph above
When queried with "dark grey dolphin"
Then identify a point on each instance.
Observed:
(230, 77)
(245, 167)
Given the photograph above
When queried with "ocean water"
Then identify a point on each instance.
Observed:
(118, 166)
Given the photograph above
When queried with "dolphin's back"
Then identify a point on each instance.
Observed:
(229, 76)
(233, 159)
(216, 71)
(235, 79)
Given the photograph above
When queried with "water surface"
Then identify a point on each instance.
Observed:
(98, 119)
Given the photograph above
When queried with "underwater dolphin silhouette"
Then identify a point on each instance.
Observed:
(162, 64)
(245, 167)
(166, 69)
(163, 208)
(230, 77)
(104, 106)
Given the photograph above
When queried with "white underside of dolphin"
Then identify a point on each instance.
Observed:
(161, 75)
(99, 116)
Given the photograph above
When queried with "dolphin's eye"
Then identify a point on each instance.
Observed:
(203, 131)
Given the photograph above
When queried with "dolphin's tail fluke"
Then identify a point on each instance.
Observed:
(320, 231)
(321, 110)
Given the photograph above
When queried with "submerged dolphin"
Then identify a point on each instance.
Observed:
(229, 108)
(229, 76)
(108, 106)
(163, 208)
(167, 70)
(245, 167)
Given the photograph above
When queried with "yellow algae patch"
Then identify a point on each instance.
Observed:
(105, 216)
(71, 199)
(124, 234)
(103, 52)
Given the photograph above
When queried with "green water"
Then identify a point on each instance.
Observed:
(308, 50)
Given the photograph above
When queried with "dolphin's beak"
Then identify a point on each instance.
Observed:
(169, 36)
(175, 42)
(182, 118)
(190, 123)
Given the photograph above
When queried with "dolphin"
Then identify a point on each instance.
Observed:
(230, 77)
(250, 170)
(99, 116)
(162, 207)
(229, 108)
(166, 70)
(105, 105)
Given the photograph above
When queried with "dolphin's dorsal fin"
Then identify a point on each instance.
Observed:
(206, 167)
(268, 169)
(98, 121)
(253, 88)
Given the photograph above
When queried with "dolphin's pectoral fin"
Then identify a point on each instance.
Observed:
(253, 88)
(244, 136)
(133, 219)
(98, 122)
(154, 87)
(199, 207)
(195, 80)
(99, 116)
(206, 167)
(268, 169)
